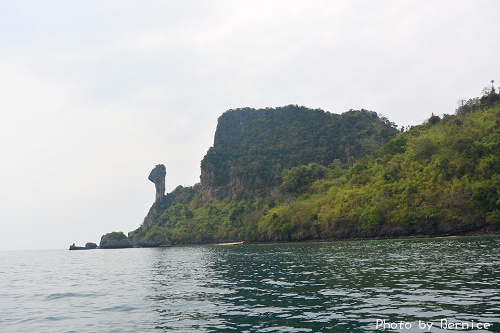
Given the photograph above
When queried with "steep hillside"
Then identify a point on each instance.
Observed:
(439, 178)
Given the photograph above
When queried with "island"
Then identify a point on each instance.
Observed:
(292, 174)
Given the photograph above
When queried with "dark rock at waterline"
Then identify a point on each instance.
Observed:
(153, 241)
(88, 246)
(429, 228)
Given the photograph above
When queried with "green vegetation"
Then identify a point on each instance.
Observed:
(117, 235)
(340, 176)
(253, 147)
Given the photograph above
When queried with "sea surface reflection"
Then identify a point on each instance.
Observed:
(307, 287)
(320, 287)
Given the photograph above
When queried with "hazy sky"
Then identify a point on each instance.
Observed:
(94, 94)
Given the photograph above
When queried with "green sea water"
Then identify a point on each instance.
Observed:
(415, 285)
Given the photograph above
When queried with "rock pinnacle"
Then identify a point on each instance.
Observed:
(157, 176)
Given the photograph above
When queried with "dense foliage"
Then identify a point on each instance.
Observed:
(117, 235)
(255, 146)
(441, 177)
(447, 174)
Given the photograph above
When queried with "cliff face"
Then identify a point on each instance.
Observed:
(235, 185)
(252, 147)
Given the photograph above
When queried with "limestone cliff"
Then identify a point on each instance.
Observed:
(253, 147)
(157, 176)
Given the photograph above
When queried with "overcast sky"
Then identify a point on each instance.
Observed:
(94, 94)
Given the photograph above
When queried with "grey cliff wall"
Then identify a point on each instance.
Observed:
(157, 176)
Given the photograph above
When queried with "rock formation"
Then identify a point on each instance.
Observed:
(91, 245)
(114, 240)
(252, 147)
(88, 246)
(157, 176)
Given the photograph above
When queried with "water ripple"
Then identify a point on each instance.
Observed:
(319, 287)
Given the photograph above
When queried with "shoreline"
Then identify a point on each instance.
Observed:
(318, 240)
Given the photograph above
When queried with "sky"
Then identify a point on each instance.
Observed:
(94, 94)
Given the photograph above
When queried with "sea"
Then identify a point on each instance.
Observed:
(413, 285)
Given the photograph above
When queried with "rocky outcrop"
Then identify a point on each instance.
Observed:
(114, 240)
(208, 188)
(252, 147)
(157, 176)
(153, 213)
